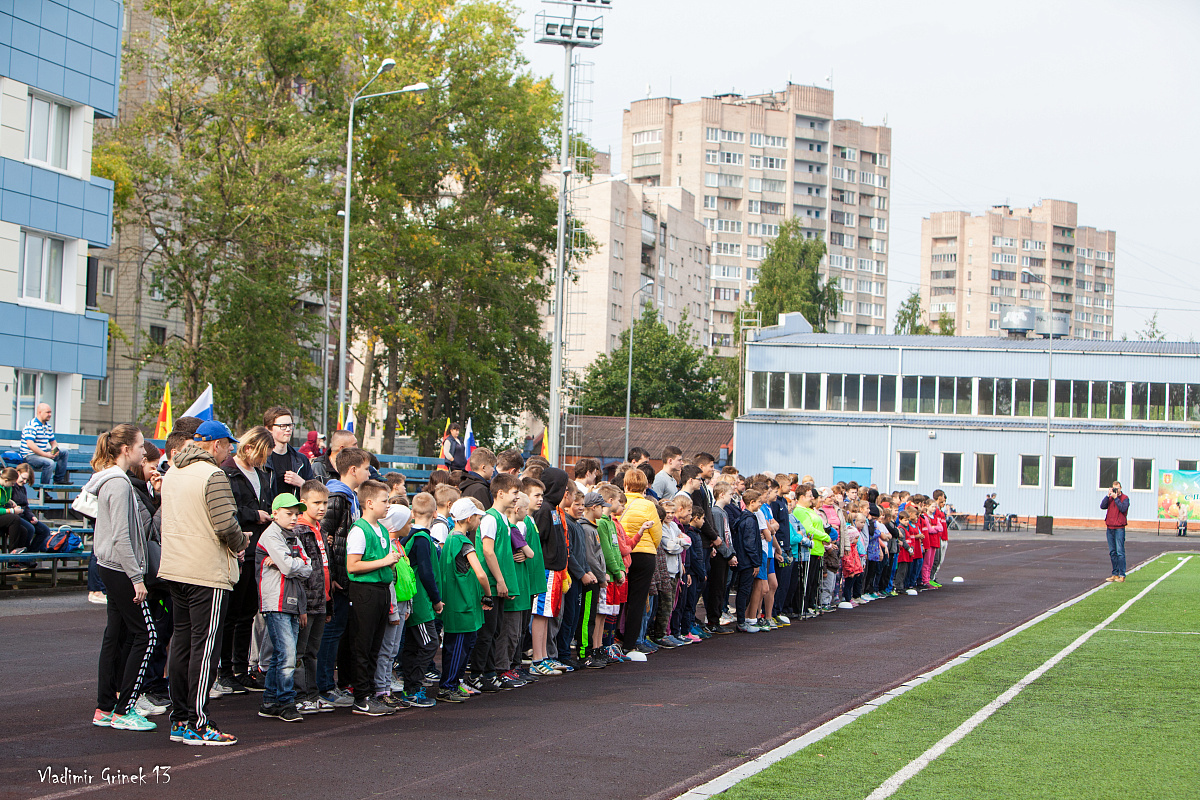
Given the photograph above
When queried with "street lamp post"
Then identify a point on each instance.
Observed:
(386, 66)
(1032, 278)
(629, 374)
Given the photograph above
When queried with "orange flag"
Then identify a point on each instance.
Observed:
(163, 428)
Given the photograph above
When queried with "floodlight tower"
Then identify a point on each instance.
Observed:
(568, 31)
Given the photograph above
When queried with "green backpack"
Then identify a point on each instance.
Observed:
(406, 579)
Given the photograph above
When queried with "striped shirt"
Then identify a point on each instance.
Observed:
(37, 432)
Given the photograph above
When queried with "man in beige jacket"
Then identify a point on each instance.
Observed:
(201, 546)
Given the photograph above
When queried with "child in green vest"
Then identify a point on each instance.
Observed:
(493, 540)
(517, 607)
(387, 689)
(534, 567)
(421, 635)
(369, 560)
(466, 594)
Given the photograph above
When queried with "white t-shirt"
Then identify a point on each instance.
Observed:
(356, 541)
(252, 476)
(487, 527)
(439, 531)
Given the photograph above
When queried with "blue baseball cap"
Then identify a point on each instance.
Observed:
(212, 430)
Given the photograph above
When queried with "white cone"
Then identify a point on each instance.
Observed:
(957, 579)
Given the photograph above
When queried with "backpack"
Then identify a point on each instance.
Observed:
(63, 541)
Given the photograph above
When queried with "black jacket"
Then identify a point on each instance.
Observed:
(708, 531)
(299, 465)
(577, 562)
(474, 485)
(314, 584)
(322, 469)
(335, 527)
(249, 503)
(150, 502)
(747, 543)
(553, 537)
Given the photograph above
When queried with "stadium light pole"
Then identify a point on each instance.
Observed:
(1032, 278)
(629, 373)
(387, 65)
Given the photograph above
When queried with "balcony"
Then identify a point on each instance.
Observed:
(730, 192)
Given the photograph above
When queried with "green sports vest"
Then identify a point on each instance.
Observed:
(376, 549)
(504, 554)
(422, 605)
(460, 593)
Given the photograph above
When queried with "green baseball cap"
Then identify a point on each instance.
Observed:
(287, 500)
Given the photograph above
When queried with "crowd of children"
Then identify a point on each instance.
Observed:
(360, 586)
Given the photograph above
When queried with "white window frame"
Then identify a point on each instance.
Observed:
(975, 472)
(1020, 469)
(66, 287)
(108, 280)
(960, 455)
(1133, 476)
(916, 466)
(1054, 470)
(52, 137)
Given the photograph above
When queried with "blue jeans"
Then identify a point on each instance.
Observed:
(331, 637)
(570, 618)
(54, 470)
(284, 630)
(1116, 550)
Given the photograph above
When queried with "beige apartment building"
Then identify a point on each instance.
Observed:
(753, 161)
(971, 268)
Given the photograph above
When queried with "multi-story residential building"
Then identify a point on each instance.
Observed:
(754, 161)
(59, 70)
(972, 268)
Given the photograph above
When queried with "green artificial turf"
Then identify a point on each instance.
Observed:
(1118, 718)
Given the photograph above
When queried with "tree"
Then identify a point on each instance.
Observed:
(945, 324)
(788, 279)
(908, 317)
(1151, 333)
(671, 377)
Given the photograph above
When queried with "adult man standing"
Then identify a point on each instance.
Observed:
(288, 468)
(454, 452)
(666, 482)
(989, 512)
(40, 450)
(324, 468)
(1116, 505)
(201, 545)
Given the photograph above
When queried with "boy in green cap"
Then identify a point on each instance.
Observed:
(282, 564)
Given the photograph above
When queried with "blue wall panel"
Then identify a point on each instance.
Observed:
(54, 341)
(56, 203)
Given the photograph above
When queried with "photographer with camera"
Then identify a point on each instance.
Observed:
(1116, 505)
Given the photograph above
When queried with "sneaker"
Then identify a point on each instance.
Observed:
(700, 632)
(544, 668)
(371, 707)
(219, 689)
(912, 592)
(418, 699)
(159, 699)
(491, 684)
(324, 706)
(595, 661)
(615, 653)
(560, 666)
(667, 641)
(208, 735)
(102, 719)
(336, 698)
(728, 619)
(178, 731)
(309, 707)
(1119, 579)
(526, 675)
(679, 640)
(748, 627)
(473, 682)
(469, 689)
(432, 677)
(132, 721)
(650, 646)
(268, 711)
(767, 624)
(455, 695)
(99, 598)
(645, 649)
(252, 681)
(397, 686)
(635, 655)
(723, 629)
(893, 593)
(147, 707)
(391, 701)
(507, 681)
(935, 584)
(694, 638)
(288, 713)
(783, 620)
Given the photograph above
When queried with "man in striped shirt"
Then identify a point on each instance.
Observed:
(40, 450)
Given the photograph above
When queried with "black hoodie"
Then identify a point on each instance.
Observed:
(553, 537)
(475, 485)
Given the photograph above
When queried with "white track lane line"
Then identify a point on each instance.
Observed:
(893, 783)
(1161, 633)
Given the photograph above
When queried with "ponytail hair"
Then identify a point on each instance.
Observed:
(108, 446)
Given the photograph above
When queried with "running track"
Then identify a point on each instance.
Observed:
(634, 730)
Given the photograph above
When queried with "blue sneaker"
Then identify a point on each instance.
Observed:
(208, 735)
(178, 730)
(417, 699)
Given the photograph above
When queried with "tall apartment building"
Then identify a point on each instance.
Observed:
(59, 70)
(971, 267)
(756, 160)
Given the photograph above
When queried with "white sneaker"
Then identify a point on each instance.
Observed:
(99, 598)
(147, 708)
(784, 619)
(219, 689)
(748, 627)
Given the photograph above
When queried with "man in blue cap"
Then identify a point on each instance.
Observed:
(202, 544)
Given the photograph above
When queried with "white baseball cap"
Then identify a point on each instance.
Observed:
(464, 508)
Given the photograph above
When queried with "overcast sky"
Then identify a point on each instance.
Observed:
(1093, 102)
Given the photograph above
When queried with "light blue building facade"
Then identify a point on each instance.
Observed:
(59, 70)
(969, 414)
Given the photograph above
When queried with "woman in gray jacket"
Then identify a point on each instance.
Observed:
(120, 549)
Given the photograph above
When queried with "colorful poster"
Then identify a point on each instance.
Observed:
(1178, 494)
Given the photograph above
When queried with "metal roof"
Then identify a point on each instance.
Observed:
(978, 343)
(934, 421)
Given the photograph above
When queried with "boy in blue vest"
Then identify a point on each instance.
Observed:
(493, 543)
(369, 560)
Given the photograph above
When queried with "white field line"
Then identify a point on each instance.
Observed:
(754, 766)
(1164, 633)
(893, 783)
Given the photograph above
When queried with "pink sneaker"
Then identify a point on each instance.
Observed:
(691, 637)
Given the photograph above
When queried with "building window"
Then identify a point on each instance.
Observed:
(985, 469)
(952, 468)
(102, 394)
(1187, 466)
(1143, 474)
(907, 467)
(710, 202)
(49, 132)
(1031, 470)
(1110, 472)
(41, 274)
(758, 390)
(108, 279)
(1064, 472)
(776, 391)
(34, 388)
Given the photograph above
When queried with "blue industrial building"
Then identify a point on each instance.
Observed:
(969, 415)
(60, 64)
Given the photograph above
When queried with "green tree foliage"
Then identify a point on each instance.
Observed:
(945, 324)
(1151, 332)
(788, 279)
(228, 163)
(671, 376)
(909, 315)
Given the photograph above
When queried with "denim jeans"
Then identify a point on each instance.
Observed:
(54, 470)
(1116, 550)
(570, 618)
(331, 637)
(284, 629)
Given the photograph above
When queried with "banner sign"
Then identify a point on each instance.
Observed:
(1178, 494)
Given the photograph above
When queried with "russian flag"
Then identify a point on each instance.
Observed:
(469, 439)
(203, 407)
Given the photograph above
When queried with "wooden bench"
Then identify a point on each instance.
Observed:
(30, 564)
